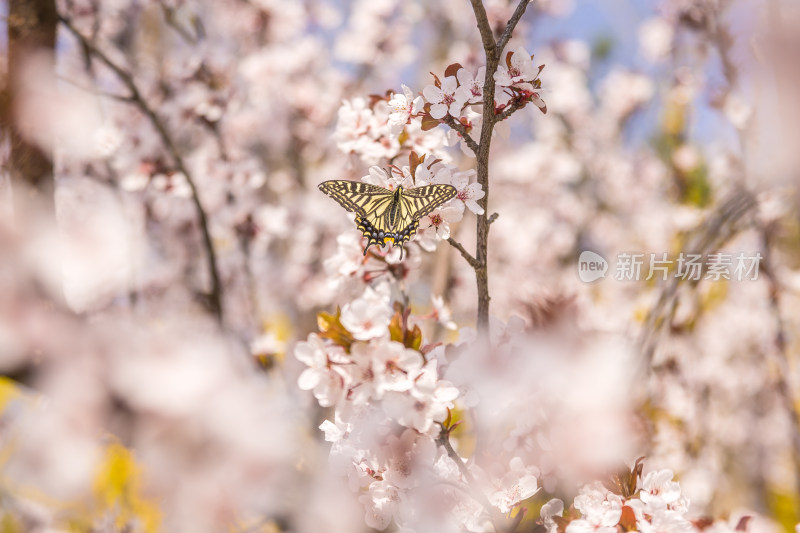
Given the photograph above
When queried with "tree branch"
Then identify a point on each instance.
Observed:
(782, 358)
(459, 127)
(464, 253)
(31, 28)
(485, 29)
(492, 52)
(512, 23)
(118, 97)
(510, 110)
(444, 441)
(136, 98)
(482, 164)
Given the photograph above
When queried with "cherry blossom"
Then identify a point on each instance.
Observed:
(323, 375)
(368, 316)
(468, 193)
(554, 507)
(518, 484)
(433, 173)
(470, 90)
(601, 510)
(389, 180)
(442, 313)
(436, 226)
(411, 459)
(660, 491)
(382, 503)
(443, 99)
(395, 365)
(427, 402)
(522, 69)
(403, 106)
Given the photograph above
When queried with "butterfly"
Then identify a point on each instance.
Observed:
(385, 215)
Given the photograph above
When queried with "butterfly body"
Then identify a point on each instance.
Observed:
(384, 215)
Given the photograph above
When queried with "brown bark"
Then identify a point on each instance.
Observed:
(492, 50)
(31, 30)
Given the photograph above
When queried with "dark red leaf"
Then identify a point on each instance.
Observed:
(428, 123)
(628, 519)
(743, 521)
(413, 162)
(452, 69)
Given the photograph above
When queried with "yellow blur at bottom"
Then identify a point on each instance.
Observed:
(116, 493)
(117, 488)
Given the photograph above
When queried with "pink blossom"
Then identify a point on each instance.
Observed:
(443, 99)
(522, 69)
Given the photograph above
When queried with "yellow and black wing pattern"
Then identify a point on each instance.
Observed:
(355, 196)
(383, 215)
(422, 201)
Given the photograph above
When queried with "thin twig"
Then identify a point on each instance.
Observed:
(782, 357)
(510, 110)
(475, 492)
(492, 218)
(719, 226)
(169, 18)
(512, 23)
(215, 296)
(459, 127)
(464, 253)
(119, 97)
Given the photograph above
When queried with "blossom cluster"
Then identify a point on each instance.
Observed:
(381, 126)
(392, 415)
(629, 501)
(191, 135)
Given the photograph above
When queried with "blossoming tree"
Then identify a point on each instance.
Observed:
(196, 340)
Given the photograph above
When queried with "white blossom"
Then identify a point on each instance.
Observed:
(522, 69)
(402, 107)
(443, 99)
(470, 90)
(368, 317)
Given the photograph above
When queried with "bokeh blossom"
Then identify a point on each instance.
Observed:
(193, 339)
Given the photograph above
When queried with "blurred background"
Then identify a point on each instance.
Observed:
(163, 244)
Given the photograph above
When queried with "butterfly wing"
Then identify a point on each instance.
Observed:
(357, 197)
(420, 201)
(368, 202)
